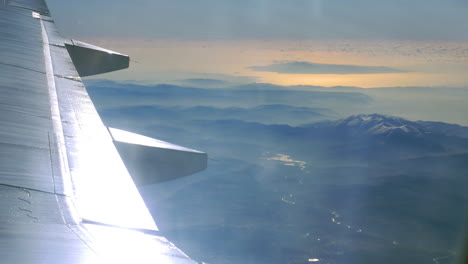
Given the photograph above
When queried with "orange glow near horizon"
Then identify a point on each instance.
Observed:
(362, 80)
(425, 64)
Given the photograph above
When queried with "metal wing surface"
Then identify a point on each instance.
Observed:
(65, 193)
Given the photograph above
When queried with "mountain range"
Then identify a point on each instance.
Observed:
(360, 138)
(370, 188)
(266, 114)
(108, 94)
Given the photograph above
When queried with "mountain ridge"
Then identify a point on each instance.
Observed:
(379, 124)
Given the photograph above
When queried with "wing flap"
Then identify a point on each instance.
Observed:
(91, 60)
(151, 161)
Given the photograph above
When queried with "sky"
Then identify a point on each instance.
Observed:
(364, 43)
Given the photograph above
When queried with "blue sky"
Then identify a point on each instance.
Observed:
(260, 19)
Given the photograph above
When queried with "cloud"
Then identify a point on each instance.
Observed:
(201, 82)
(303, 67)
(207, 80)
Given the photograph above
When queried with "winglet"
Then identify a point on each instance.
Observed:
(151, 161)
(92, 60)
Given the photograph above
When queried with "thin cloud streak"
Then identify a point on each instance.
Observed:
(302, 67)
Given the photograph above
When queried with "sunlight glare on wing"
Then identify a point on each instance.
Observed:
(105, 191)
(115, 245)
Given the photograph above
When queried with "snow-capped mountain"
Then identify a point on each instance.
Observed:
(376, 124)
(380, 137)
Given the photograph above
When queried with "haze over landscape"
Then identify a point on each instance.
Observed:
(337, 130)
(297, 181)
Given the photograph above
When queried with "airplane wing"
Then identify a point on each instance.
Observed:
(66, 195)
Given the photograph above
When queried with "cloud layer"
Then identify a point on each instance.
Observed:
(302, 67)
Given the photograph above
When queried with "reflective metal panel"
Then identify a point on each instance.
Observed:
(58, 165)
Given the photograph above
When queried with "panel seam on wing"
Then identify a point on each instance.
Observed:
(55, 111)
(24, 68)
(142, 230)
(32, 189)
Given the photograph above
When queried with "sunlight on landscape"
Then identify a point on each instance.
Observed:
(287, 161)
